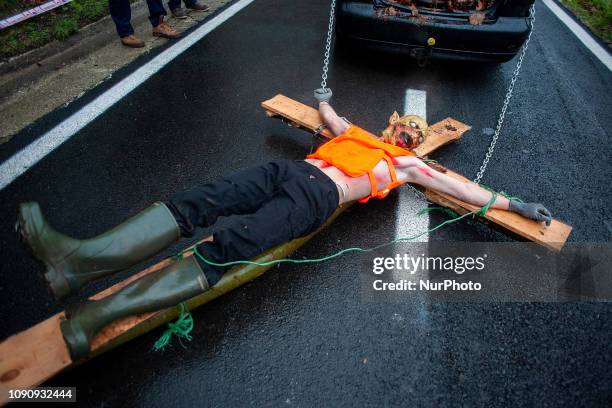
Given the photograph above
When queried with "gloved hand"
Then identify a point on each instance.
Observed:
(323, 94)
(532, 211)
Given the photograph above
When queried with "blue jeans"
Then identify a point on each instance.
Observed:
(121, 13)
(173, 4)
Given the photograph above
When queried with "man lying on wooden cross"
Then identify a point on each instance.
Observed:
(272, 203)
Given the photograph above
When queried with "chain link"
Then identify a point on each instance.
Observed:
(330, 31)
(502, 114)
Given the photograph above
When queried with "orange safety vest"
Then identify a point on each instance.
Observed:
(356, 152)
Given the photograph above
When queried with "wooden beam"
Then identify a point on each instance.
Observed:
(552, 236)
(441, 133)
(29, 358)
(307, 118)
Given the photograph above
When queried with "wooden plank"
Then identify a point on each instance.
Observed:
(552, 236)
(441, 133)
(296, 113)
(307, 118)
(32, 356)
(29, 358)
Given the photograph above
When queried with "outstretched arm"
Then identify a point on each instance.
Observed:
(418, 172)
(328, 115)
(331, 119)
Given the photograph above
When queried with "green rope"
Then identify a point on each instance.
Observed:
(483, 211)
(184, 324)
(444, 210)
(480, 212)
(181, 328)
(504, 194)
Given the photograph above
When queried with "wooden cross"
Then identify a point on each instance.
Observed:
(31, 357)
(441, 133)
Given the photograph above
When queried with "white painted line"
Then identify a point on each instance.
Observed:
(585, 37)
(415, 103)
(407, 222)
(39, 148)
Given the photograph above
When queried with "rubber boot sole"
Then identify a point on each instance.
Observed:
(29, 216)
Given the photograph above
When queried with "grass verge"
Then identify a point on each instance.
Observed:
(57, 24)
(595, 14)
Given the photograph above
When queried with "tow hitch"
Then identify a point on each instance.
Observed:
(423, 54)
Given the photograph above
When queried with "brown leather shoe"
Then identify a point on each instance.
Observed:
(198, 6)
(165, 30)
(132, 41)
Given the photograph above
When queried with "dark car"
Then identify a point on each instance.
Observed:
(480, 30)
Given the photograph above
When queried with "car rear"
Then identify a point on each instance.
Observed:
(480, 30)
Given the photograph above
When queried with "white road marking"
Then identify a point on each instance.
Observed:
(585, 37)
(407, 222)
(39, 148)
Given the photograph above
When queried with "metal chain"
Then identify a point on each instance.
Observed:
(330, 30)
(502, 114)
(500, 121)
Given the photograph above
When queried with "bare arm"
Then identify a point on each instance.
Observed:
(331, 119)
(419, 173)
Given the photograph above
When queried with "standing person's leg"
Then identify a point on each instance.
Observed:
(121, 14)
(196, 5)
(156, 12)
(176, 9)
(156, 17)
(243, 192)
(302, 205)
(179, 12)
(172, 4)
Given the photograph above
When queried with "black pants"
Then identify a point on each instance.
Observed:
(274, 203)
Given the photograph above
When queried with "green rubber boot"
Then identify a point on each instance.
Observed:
(158, 290)
(70, 263)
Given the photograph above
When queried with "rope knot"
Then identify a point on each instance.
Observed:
(181, 328)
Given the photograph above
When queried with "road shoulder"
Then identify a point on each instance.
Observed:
(41, 85)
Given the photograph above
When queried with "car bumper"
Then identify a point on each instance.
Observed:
(498, 40)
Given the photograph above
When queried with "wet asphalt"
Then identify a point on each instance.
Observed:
(301, 335)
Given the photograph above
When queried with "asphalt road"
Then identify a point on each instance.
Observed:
(301, 335)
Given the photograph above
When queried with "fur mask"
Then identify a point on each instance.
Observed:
(407, 131)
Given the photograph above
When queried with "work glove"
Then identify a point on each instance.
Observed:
(533, 211)
(323, 94)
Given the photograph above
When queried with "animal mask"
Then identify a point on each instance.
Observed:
(407, 131)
